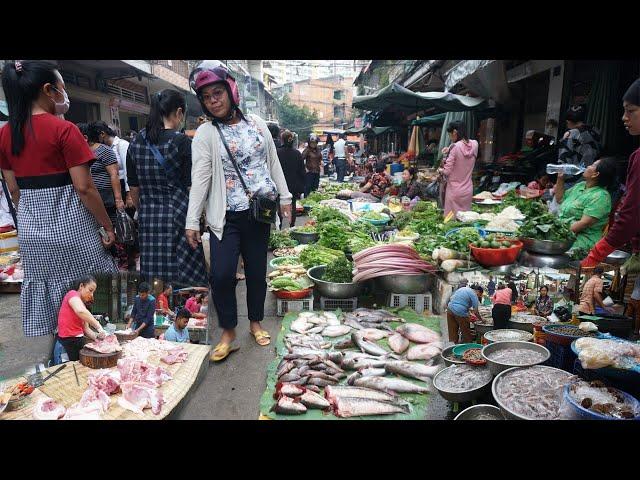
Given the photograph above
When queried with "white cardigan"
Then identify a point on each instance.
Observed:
(208, 188)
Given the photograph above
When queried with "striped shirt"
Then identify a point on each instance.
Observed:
(105, 156)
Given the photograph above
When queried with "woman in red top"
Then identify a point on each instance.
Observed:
(162, 302)
(626, 226)
(75, 321)
(45, 161)
(501, 312)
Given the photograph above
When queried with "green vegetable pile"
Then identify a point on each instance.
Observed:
(316, 254)
(492, 241)
(281, 239)
(339, 271)
(460, 240)
(547, 227)
(349, 237)
(315, 198)
(325, 214)
(374, 216)
(305, 229)
(287, 283)
(529, 208)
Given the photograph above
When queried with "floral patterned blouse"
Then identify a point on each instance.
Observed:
(544, 306)
(246, 142)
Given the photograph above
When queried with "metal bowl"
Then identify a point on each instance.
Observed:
(482, 328)
(510, 414)
(472, 413)
(496, 367)
(547, 247)
(330, 289)
(459, 397)
(448, 352)
(407, 284)
(517, 322)
(539, 260)
(304, 238)
(618, 257)
(524, 336)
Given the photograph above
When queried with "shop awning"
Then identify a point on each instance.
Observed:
(486, 78)
(400, 98)
(431, 120)
(380, 130)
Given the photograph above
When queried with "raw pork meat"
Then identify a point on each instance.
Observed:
(92, 405)
(47, 409)
(138, 396)
(108, 344)
(177, 355)
(134, 370)
(106, 380)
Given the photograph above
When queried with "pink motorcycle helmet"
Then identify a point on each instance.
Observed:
(213, 71)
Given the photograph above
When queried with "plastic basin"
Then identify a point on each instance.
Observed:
(587, 414)
(460, 349)
(497, 257)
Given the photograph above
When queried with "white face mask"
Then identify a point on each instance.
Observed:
(62, 108)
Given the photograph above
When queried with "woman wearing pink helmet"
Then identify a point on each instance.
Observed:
(217, 189)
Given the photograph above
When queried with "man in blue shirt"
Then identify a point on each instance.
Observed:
(178, 331)
(462, 300)
(142, 314)
(491, 287)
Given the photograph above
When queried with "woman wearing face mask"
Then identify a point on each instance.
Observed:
(46, 163)
(159, 176)
(457, 169)
(218, 186)
(626, 226)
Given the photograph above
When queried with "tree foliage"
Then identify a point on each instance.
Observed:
(297, 119)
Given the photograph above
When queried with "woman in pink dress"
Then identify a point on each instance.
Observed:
(457, 169)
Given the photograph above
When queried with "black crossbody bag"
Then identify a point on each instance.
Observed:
(261, 208)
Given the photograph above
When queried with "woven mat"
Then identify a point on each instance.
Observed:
(64, 389)
(419, 402)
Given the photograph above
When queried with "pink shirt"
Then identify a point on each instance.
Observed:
(192, 305)
(502, 297)
(69, 323)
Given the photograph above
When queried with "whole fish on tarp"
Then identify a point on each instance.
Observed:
(346, 407)
(417, 333)
(398, 343)
(289, 406)
(367, 346)
(374, 334)
(353, 323)
(343, 344)
(335, 330)
(313, 400)
(288, 390)
(365, 372)
(423, 352)
(411, 369)
(321, 382)
(389, 384)
(331, 393)
(359, 363)
(374, 316)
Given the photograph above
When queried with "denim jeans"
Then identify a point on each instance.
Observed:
(341, 168)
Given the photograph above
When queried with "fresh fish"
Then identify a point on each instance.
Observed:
(313, 400)
(343, 344)
(335, 357)
(333, 372)
(317, 329)
(352, 355)
(333, 392)
(331, 317)
(417, 333)
(389, 384)
(303, 351)
(300, 362)
(285, 367)
(358, 363)
(336, 331)
(288, 389)
(345, 407)
(352, 322)
(289, 377)
(301, 381)
(332, 365)
(411, 369)
(352, 377)
(373, 372)
(300, 325)
(374, 334)
(398, 343)
(366, 346)
(322, 375)
(289, 406)
(376, 316)
(423, 352)
(321, 382)
(313, 388)
(303, 370)
(319, 366)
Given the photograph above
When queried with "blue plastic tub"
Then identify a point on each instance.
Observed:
(587, 414)
(561, 356)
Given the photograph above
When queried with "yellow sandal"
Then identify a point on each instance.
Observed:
(261, 336)
(222, 351)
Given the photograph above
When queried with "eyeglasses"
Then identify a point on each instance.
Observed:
(215, 94)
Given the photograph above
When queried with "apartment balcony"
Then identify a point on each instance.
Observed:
(176, 72)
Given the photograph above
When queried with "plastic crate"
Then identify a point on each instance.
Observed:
(344, 304)
(561, 356)
(421, 303)
(286, 306)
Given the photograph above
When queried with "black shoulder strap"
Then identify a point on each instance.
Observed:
(232, 158)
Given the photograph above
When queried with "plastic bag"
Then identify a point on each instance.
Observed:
(125, 228)
(588, 327)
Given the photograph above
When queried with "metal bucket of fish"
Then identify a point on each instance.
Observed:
(530, 393)
(449, 358)
(481, 412)
(523, 321)
(501, 356)
(507, 335)
(462, 383)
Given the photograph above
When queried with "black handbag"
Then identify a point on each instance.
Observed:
(261, 208)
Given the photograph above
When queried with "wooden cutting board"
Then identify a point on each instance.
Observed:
(92, 359)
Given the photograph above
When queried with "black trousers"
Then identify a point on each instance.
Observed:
(501, 315)
(312, 181)
(72, 345)
(244, 236)
(341, 168)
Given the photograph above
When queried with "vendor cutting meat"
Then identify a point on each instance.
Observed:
(74, 319)
(178, 331)
(141, 319)
(462, 301)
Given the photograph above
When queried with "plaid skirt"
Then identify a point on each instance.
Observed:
(59, 243)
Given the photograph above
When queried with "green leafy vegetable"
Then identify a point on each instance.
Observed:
(315, 255)
(339, 271)
(325, 214)
(281, 239)
(547, 227)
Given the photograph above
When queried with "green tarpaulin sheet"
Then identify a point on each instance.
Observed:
(431, 120)
(418, 402)
(401, 98)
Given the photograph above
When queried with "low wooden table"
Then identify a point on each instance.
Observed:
(176, 392)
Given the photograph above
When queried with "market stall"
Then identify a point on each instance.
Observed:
(151, 381)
